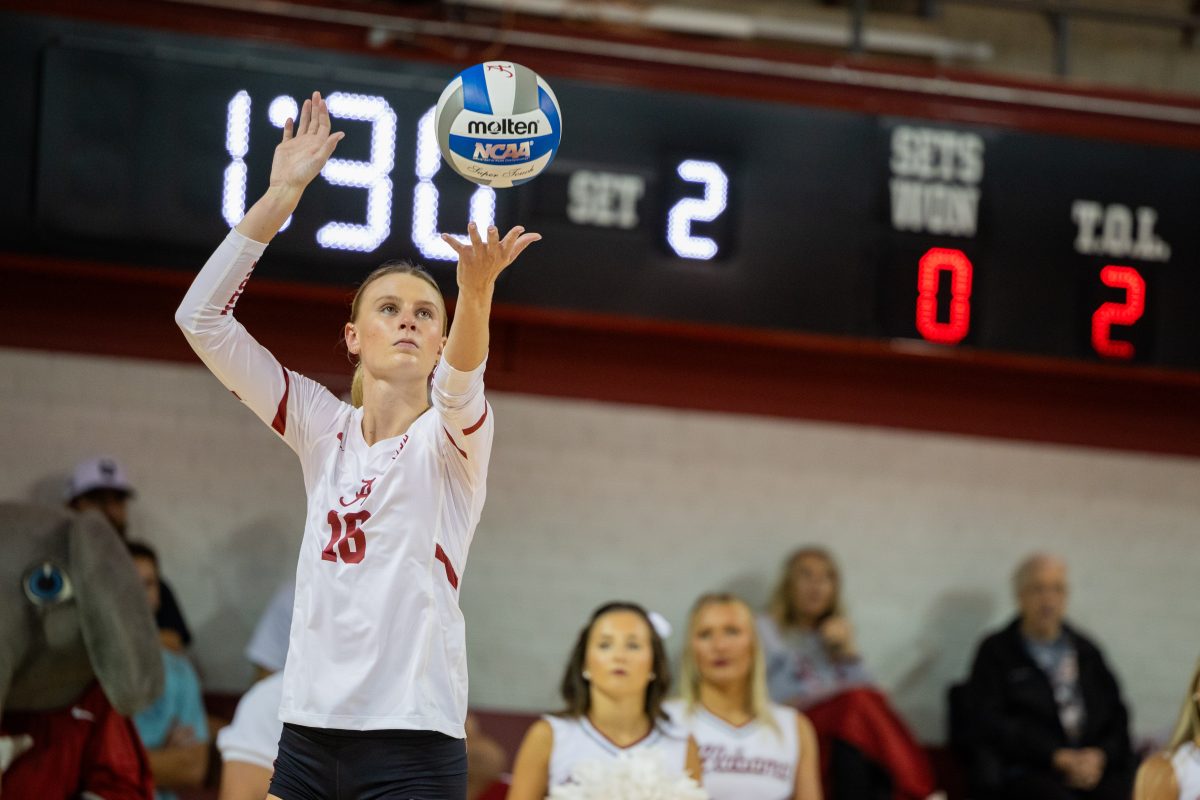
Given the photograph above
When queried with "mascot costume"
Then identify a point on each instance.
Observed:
(79, 653)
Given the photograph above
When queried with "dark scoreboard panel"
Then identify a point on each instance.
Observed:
(145, 147)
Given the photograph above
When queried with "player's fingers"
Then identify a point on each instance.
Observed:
(313, 118)
(454, 243)
(510, 237)
(473, 232)
(331, 144)
(305, 114)
(323, 123)
(288, 128)
(493, 237)
(524, 241)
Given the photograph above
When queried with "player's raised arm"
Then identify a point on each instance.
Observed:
(479, 264)
(299, 158)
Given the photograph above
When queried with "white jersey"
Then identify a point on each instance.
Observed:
(747, 762)
(253, 736)
(576, 741)
(1186, 762)
(377, 638)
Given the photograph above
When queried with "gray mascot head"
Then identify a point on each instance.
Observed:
(72, 610)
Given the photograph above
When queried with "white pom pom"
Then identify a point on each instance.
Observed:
(640, 775)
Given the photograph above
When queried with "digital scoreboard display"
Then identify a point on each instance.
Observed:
(145, 147)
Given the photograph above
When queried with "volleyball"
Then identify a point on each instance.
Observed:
(498, 124)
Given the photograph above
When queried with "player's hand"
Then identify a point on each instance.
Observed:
(306, 146)
(480, 262)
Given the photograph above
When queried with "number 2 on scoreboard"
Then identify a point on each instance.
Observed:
(1127, 313)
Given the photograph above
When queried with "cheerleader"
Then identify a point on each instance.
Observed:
(374, 693)
(614, 686)
(1175, 774)
(752, 749)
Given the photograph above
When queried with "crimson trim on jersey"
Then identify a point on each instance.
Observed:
(280, 421)
(476, 426)
(441, 556)
(601, 739)
(461, 452)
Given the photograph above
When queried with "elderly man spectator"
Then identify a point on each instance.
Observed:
(100, 484)
(1047, 716)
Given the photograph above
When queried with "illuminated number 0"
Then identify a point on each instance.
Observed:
(706, 209)
(425, 234)
(1127, 313)
(932, 264)
(351, 544)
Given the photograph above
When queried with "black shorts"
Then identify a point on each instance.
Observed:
(326, 764)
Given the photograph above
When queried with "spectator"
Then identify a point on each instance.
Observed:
(248, 746)
(752, 749)
(174, 729)
(614, 685)
(100, 484)
(1046, 712)
(1175, 774)
(813, 664)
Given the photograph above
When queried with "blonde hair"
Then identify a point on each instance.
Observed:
(782, 605)
(1188, 727)
(689, 690)
(385, 269)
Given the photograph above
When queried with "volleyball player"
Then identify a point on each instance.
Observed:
(614, 686)
(375, 688)
(752, 749)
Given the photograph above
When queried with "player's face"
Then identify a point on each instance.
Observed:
(620, 658)
(723, 643)
(398, 332)
(813, 586)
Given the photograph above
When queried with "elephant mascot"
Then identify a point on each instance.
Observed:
(79, 653)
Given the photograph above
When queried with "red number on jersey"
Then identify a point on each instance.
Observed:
(931, 266)
(1127, 313)
(350, 542)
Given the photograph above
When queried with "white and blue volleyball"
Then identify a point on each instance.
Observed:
(498, 124)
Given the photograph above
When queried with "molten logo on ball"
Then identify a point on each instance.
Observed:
(480, 113)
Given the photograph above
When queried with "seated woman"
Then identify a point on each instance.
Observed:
(752, 749)
(1175, 774)
(814, 665)
(613, 686)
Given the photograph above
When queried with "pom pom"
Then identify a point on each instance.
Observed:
(639, 775)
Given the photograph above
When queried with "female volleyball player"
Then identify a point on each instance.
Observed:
(752, 749)
(375, 687)
(614, 686)
(1175, 774)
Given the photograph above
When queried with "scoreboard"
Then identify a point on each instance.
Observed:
(145, 146)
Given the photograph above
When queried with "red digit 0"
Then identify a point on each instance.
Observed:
(1127, 313)
(932, 264)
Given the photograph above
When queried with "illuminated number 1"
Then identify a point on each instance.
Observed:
(237, 143)
(352, 545)
(932, 264)
(1127, 313)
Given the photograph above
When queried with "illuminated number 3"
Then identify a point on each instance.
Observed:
(349, 542)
